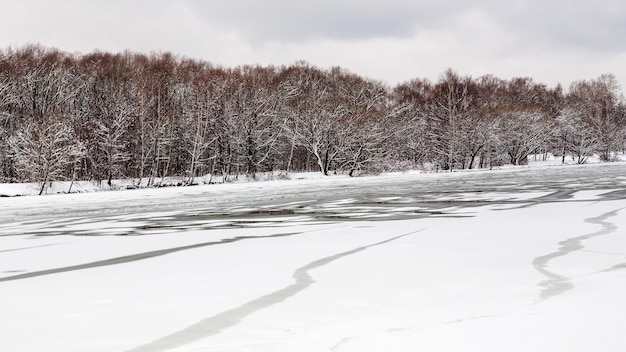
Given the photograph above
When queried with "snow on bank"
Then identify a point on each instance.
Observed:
(64, 187)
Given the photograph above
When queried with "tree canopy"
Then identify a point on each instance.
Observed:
(101, 115)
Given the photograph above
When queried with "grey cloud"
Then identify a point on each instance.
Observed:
(293, 21)
(538, 24)
(565, 25)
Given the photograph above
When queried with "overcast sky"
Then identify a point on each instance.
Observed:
(552, 41)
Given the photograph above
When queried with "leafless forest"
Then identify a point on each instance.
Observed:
(101, 116)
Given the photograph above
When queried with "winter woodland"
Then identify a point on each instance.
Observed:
(101, 116)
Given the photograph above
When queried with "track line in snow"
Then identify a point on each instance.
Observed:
(215, 324)
(139, 256)
(557, 284)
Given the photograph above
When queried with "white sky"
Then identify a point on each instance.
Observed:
(552, 41)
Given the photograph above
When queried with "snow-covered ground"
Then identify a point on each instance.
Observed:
(64, 187)
(524, 259)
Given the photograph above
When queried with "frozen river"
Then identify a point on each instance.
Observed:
(519, 259)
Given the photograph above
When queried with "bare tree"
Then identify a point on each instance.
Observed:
(201, 109)
(577, 138)
(599, 103)
(44, 152)
(315, 115)
(448, 109)
(524, 132)
(412, 124)
(256, 102)
(111, 136)
(5, 127)
(366, 126)
(44, 84)
(110, 111)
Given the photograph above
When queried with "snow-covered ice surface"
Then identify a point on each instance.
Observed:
(528, 259)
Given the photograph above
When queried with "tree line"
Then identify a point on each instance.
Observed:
(101, 116)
